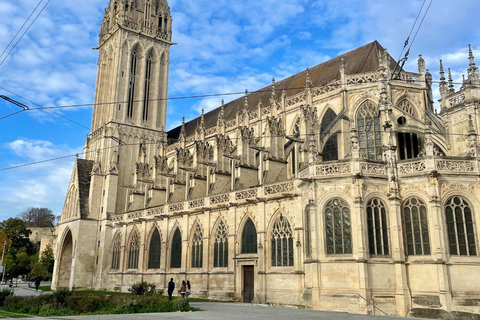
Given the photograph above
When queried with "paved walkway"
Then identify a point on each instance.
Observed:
(222, 311)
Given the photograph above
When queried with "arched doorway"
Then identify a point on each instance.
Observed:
(65, 266)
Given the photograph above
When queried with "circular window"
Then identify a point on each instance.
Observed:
(401, 120)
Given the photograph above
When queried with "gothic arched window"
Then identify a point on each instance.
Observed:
(154, 250)
(117, 250)
(330, 150)
(197, 248)
(282, 243)
(416, 227)
(377, 228)
(369, 133)
(338, 227)
(328, 118)
(131, 84)
(407, 107)
(176, 252)
(146, 94)
(220, 247)
(134, 251)
(460, 226)
(249, 237)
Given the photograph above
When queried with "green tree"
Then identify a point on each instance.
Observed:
(17, 232)
(47, 258)
(39, 272)
(38, 217)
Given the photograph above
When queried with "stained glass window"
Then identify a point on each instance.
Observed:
(197, 247)
(328, 118)
(154, 250)
(369, 132)
(282, 243)
(117, 249)
(461, 235)
(377, 228)
(406, 106)
(146, 94)
(220, 247)
(134, 251)
(330, 150)
(176, 254)
(249, 237)
(416, 227)
(131, 84)
(338, 227)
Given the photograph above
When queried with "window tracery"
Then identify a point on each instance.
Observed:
(131, 84)
(338, 227)
(377, 228)
(369, 132)
(460, 227)
(116, 251)
(416, 227)
(407, 107)
(220, 247)
(197, 247)
(282, 243)
(134, 251)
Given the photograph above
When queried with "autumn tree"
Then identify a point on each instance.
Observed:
(38, 217)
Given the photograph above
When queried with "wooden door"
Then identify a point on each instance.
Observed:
(248, 284)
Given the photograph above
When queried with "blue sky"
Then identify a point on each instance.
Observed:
(223, 46)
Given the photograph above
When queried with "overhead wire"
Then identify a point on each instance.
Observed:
(43, 108)
(19, 30)
(23, 34)
(200, 96)
(120, 145)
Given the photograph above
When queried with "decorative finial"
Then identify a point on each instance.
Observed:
(421, 64)
(442, 72)
(470, 56)
(464, 82)
(308, 82)
(246, 99)
(451, 88)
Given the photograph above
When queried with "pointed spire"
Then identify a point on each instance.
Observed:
(442, 72)
(470, 56)
(182, 130)
(202, 118)
(308, 82)
(464, 82)
(246, 100)
(221, 115)
(273, 89)
(451, 88)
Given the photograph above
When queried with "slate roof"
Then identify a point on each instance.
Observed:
(360, 60)
(84, 169)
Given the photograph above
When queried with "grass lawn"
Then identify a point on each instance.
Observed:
(5, 314)
(44, 288)
(101, 293)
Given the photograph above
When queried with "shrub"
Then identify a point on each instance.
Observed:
(143, 288)
(60, 296)
(6, 292)
(84, 304)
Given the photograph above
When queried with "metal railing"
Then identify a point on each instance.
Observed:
(358, 296)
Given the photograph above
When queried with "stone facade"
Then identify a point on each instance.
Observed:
(345, 181)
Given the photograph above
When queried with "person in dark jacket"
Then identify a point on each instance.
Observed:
(37, 284)
(171, 288)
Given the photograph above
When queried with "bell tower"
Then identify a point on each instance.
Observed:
(132, 79)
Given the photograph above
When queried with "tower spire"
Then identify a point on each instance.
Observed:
(451, 88)
(473, 76)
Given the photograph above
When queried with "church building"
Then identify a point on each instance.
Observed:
(334, 189)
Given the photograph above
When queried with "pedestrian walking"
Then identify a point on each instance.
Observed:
(188, 291)
(183, 289)
(37, 284)
(171, 288)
